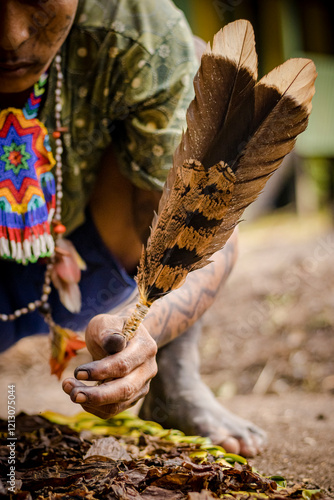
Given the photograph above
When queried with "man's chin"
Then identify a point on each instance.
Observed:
(16, 80)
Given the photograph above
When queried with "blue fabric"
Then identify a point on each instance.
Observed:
(104, 285)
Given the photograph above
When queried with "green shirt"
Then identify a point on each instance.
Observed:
(128, 68)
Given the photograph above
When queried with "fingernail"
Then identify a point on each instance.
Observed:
(81, 375)
(114, 342)
(81, 398)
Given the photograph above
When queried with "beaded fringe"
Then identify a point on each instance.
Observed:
(26, 237)
(27, 246)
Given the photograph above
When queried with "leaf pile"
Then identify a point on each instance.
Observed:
(127, 458)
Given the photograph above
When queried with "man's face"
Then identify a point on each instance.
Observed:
(31, 32)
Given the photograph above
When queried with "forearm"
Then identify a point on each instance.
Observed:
(173, 314)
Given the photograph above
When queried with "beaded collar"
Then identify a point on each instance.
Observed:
(27, 186)
(30, 198)
(30, 203)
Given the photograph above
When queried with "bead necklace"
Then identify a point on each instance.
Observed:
(42, 245)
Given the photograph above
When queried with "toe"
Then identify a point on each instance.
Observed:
(252, 445)
(247, 449)
(231, 445)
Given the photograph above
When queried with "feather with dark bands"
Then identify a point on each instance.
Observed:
(238, 132)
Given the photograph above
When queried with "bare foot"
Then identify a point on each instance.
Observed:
(178, 398)
(196, 412)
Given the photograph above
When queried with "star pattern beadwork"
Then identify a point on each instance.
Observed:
(22, 136)
(27, 186)
(15, 157)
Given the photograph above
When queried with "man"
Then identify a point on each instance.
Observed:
(124, 75)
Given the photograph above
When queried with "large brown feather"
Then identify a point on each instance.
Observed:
(186, 227)
(238, 133)
(226, 76)
(282, 104)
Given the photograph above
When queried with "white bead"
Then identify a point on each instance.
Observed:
(59, 194)
(59, 149)
(58, 106)
(44, 297)
(4, 317)
(24, 310)
(31, 306)
(17, 313)
(58, 58)
(47, 289)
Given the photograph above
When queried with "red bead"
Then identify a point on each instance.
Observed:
(59, 229)
(56, 134)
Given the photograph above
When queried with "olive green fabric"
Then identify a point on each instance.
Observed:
(128, 68)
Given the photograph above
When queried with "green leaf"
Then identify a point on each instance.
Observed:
(309, 494)
(279, 480)
(232, 458)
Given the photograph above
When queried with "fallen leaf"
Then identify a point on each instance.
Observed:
(108, 447)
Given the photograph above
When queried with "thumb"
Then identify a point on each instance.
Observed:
(104, 336)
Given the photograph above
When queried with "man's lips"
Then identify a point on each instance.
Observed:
(15, 70)
(8, 66)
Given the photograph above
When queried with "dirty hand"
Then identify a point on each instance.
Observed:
(123, 371)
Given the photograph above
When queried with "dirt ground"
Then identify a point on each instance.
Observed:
(267, 351)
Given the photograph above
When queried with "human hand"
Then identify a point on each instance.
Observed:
(123, 372)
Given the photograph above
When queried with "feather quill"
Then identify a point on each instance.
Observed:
(238, 132)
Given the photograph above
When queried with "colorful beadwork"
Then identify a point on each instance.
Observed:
(27, 186)
(30, 200)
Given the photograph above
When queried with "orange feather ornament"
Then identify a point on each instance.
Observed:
(238, 132)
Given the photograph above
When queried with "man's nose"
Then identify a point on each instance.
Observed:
(14, 25)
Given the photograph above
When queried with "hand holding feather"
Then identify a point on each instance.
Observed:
(238, 132)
